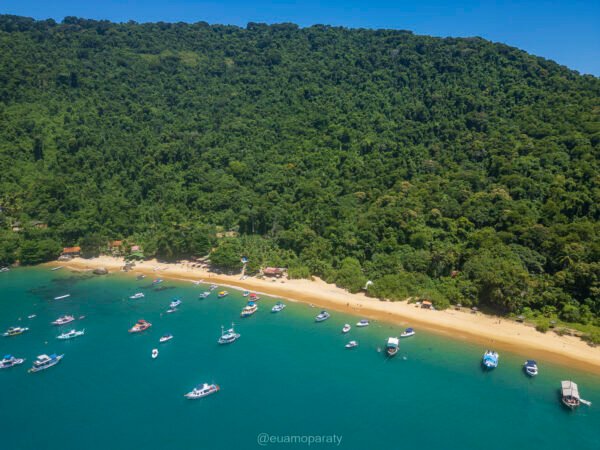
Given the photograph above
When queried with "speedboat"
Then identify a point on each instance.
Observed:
(32, 316)
(490, 359)
(204, 294)
(141, 325)
(229, 336)
(71, 334)
(60, 297)
(56, 268)
(63, 320)
(323, 315)
(254, 297)
(154, 353)
(407, 333)
(9, 361)
(352, 344)
(14, 331)
(277, 307)
(213, 287)
(530, 367)
(137, 295)
(246, 294)
(223, 294)
(44, 362)
(346, 328)
(4, 269)
(171, 310)
(175, 303)
(392, 346)
(202, 391)
(249, 309)
(157, 281)
(362, 323)
(165, 338)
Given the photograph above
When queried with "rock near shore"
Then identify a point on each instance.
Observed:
(100, 271)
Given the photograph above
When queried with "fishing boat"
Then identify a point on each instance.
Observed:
(322, 316)
(213, 287)
(171, 310)
(352, 344)
(204, 294)
(254, 297)
(407, 333)
(14, 331)
(10, 361)
(32, 316)
(154, 353)
(570, 394)
(71, 334)
(362, 323)
(56, 268)
(44, 362)
(229, 336)
(175, 303)
(157, 281)
(63, 320)
(60, 297)
(392, 346)
(137, 295)
(140, 326)
(490, 359)
(530, 367)
(346, 328)
(245, 293)
(165, 338)
(277, 307)
(223, 294)
(202, 391)
(249, 309)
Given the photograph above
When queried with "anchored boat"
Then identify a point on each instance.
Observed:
(140, 326)
(249, 309)
(14, 331)
(203, 390)
(530, 367)
(165, 338)
(346, 328)
(136, 296)
(204, 295)
(154, 353)
(60, 297)
(322, 316)
(362, 323)
(228, 337)
(223, 294)
(490, 359)
(407, 333)
(71, 334)
(277, 307)
(63, 320)
(10, 361)
(392, 346)
(352, 344)
(44, 362)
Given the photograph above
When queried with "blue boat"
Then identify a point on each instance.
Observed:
(530, 368)
(490, 359)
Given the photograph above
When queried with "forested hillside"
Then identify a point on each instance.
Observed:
(457, 169)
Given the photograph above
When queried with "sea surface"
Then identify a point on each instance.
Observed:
(286, 383)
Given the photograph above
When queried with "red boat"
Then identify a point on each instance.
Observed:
(141, 325)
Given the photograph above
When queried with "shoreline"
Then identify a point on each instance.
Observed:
(488, 330)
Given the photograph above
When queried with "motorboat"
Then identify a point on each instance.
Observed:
(229, 336)
(352, 344)
(4, 269)
(154, 353)
(277, 307)
(141, 325)
(223, 294)
(245, 293)
(392, 346)
(32, 316)
(322, 316)
(60, 297)
(165, 338)
(570, 394)
(249, 309)
(346, 328)
(204, 294)
(171, 310)
(14, 331)
(203, 390)
(175, 303)
(253, 297)
(137, 295)
(10, 361)
(63, 320)
(157, 281)
(362, 323)
(71, 334)
(490, 359)
(530, 367)
(44, 362)
(407, 333)
(213, 287)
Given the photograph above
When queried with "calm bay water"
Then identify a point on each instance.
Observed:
(285, 376)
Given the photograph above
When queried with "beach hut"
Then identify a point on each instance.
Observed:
(273, 271)
(426, 304)
(71, 251)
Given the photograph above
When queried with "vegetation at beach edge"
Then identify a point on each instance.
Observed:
(458, 170)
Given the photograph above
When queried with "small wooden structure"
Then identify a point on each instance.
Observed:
(273, 271)
(71, 251)
(426, 304)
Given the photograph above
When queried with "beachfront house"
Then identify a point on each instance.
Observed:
(273, 271)
(71, 252)
(426, 304)
(135, 252)
(115, 247)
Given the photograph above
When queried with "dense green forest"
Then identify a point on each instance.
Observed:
(458, 169)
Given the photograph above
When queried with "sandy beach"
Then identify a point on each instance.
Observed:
(490, 331)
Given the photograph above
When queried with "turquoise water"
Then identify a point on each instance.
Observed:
(286, 376)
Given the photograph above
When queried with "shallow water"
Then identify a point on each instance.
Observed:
(287, 377)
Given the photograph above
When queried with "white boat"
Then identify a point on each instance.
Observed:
(202, 391)
(407, 333)
(171, 310)
(136, 295)
(229, 336)
(57, 268)
(249, 309)
(254, 297)
(392, 346)
(60, 297)
(165, 338)
(490, 359)
(44, 362)
(323, 315)
(352, 344)
(197, 283)
(157, 281)
(175, 303)
(63, 320)
(10, 361)
(154, 353)
(71, 334)
(14, 331)
(346, 328)
(204, 294)
(362, 323)
(32, 316)
(530, 367)
(277, 307)
(223, 294)
(4, 269)
(246, 293)
(213, 287)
